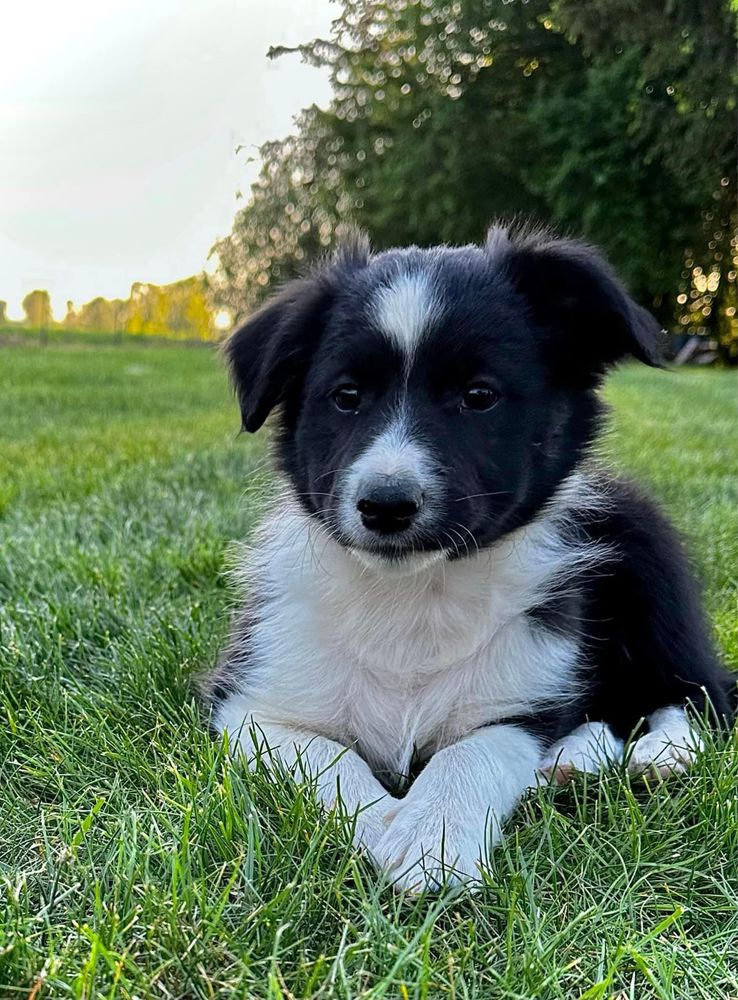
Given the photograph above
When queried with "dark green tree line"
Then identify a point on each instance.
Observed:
(609, 120)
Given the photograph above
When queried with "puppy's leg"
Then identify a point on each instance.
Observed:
(336, 770)
(453, 812)
(590, 747)
(669, 746)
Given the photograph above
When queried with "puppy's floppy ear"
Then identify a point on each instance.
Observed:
(267, 353)
(576, 297)
(270, 352)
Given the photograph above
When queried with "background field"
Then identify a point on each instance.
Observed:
(134, 862)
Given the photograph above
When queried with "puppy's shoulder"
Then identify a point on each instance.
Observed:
(621, 513)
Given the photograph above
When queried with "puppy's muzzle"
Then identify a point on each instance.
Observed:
(388, 508)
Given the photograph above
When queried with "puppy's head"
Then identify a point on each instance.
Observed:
(433, 400)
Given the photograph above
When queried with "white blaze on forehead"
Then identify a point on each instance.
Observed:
(407, 307)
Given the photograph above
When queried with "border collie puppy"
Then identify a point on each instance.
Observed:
(448, 598)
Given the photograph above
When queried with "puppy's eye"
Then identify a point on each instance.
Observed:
(479, 397)
(347, 398)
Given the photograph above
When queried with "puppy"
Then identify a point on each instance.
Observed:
(448, 595)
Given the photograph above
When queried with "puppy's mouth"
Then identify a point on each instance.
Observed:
(397, 560)
(406, 547)
(395, 549)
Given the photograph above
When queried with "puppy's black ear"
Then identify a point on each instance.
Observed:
(268, 355)
(268, 352)
(576, 298)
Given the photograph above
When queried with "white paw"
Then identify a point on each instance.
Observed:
(371, 823)
(589, 748)
(563, 770)
(662, 753)
(423, 849)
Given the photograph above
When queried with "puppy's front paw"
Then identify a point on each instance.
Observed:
(588, 749)
(424, 849)
(372, 823)
(660, 754)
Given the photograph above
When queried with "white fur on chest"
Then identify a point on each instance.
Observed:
(401, 663)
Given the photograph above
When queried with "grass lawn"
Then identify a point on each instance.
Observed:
(135, 862)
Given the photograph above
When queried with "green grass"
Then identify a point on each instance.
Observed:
(136, 862)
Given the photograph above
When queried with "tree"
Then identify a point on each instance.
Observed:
(600, 178)
(37, 309)
(71, 319)
(181, 308)
(606, 119)
(3, 312)
(683, 112)
(96, 316)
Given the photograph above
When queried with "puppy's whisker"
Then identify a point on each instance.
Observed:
(474, 496)
(454, 545)
(469, 532)
(331, 472)
(461, 537)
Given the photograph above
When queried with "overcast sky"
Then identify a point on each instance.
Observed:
(119, 121)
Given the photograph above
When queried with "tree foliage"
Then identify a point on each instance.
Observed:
(37, 308)
(607, 119)
(182, 309)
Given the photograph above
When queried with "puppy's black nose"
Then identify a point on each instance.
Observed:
(388, 508)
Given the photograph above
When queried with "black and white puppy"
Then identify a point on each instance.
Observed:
(447, 591)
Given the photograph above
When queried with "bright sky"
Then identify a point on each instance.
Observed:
(119, 121)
